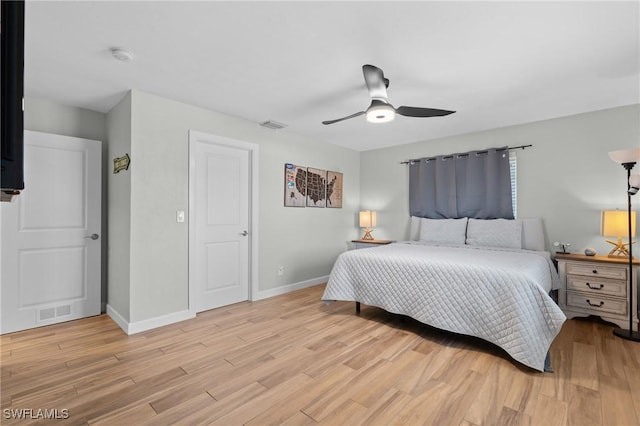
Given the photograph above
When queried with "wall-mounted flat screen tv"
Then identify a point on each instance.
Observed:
(12, 88)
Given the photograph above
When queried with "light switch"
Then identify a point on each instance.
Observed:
(180, 216)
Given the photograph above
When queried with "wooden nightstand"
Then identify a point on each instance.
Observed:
(360, 244)
(597, 285)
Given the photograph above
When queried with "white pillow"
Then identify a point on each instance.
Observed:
(495, 233)
(414, 228)
(532, 234)
(443, 231)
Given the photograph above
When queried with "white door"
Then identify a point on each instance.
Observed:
(50, 235)
(219, 262)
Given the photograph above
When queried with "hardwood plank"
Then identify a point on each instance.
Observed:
(584, 369)
(346, 414)
(487, 406)
(177, 413)
(617, 403)
(135, 414)
(423, 408)
(633, 380)
(315, 390)
(585, 407)
(386, 408)
(274, 396)
(550, 411)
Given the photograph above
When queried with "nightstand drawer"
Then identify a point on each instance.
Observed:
(605, 287)
(596, 304)
(596, 270)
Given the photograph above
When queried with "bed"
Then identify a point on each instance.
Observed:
(482, 283)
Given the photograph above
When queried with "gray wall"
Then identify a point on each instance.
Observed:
(566, 178)
(119, 191)
(49, 117)
(305, 241)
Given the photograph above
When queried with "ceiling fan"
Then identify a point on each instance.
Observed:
(380, 110)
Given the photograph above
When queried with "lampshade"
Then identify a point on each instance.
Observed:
(623, 156)
(616, 224)
(634, 184)
(367, 219)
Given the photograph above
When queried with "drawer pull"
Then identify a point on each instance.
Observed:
(593, 304)
(595, 271)
(595, 288)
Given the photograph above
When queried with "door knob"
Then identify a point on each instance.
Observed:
(244, 233)
(93, 236)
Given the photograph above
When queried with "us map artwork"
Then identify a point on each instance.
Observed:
(316, 187)
(307, 186)
(334, 189)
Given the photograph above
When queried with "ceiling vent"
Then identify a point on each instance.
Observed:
(274, 125)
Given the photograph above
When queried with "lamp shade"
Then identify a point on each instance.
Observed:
(634, 184)
(367, 219)
(623, 156)
(615, 223)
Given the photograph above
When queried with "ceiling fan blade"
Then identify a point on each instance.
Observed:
(376, 83)
(422, 112)
(343, 118)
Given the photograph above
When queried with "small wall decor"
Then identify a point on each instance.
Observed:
(121, 163)
(295, 185)
(316, 187)
(334, 189)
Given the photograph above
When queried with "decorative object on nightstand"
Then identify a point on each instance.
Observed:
(628, 158)
(367, 221)
(360, 244)
(590, 251)
(614, 224)
(564, 246)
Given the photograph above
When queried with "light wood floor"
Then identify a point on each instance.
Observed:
(293, 360)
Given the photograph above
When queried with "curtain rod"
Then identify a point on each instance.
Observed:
(499, 149)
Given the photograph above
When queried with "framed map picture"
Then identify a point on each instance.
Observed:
(316, 187)
(295, 185)
(334, 189)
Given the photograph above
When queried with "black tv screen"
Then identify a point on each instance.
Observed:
(12, 88)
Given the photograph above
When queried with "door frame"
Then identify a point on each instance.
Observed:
(253, 150)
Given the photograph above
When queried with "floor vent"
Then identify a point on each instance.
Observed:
(63, 310)
(46, 314)
(50, 313)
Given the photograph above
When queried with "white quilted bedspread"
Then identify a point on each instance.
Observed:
(499, 295)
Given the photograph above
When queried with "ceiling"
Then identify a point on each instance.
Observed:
(299, 63)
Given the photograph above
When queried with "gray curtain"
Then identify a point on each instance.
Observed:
(474, 184)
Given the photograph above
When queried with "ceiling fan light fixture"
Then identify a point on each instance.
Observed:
(380, 113)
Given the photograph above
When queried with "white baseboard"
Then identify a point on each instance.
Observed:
(118, 319)
(148, 324)
(151, 323)
(264, 294)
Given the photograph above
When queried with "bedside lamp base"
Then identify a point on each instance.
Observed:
(367, 234)
(619, 249)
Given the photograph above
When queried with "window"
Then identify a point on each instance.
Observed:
(513, 174)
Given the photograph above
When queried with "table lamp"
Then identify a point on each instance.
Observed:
(615, 223)
(367, 221)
